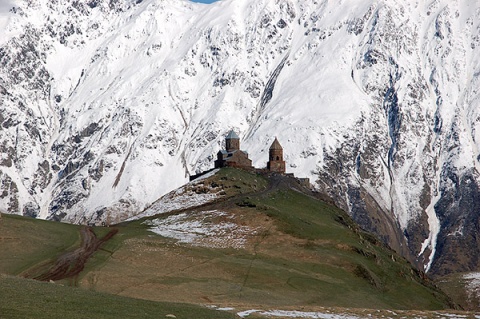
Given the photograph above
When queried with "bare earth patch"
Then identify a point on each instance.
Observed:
(71, 264)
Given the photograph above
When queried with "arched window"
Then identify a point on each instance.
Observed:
(278, 158)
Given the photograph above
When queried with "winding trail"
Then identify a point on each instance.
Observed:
(70, 264)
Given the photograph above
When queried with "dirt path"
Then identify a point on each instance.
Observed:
(70, 264)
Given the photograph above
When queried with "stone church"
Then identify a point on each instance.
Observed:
(232, 156)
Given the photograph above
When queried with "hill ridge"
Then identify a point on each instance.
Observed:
(268, 242)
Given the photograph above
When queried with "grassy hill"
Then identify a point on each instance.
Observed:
(28, 242)
(268, 242)
(26, 298)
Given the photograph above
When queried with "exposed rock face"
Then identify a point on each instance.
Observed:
(107, 105)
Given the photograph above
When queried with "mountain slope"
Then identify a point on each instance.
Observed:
(267, 242)
(270, 247)
(109, 105)
(22, 298)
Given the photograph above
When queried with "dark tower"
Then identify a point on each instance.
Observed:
(276, 162)
(232, 156)
(232, 142)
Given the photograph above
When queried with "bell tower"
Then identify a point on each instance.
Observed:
(232, 142)
(275, 161)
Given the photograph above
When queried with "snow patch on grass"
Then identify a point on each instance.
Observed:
(473, 285)
(334, 315)
(295, 314)
(193, 194)
(213, 229)
(247, 313)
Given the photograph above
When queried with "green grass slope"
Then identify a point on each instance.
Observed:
(463, 290)
(285, 248)
(301, 252)
(25, 298)
(347, 266)
(26, 243)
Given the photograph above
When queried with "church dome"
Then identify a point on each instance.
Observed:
(276, 145)
(232, 135)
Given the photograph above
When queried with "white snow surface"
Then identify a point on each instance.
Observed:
(202, 229)
(9, 22)
(182, 198)
(339, 315)
(473, 285)
(431, 241)
(295, 314)
(108, 106)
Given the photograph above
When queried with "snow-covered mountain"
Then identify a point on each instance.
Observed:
(107, 105)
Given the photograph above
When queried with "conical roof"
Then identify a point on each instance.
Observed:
(232, 135)
(276, 145)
